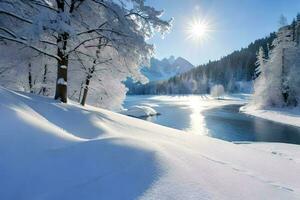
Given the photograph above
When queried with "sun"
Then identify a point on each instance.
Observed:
(198, 30)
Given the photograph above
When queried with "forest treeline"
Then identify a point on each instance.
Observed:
(233, 71)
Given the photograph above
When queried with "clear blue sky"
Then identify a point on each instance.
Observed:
(236, 23)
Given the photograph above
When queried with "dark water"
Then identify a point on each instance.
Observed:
(227, 123)
(223, 122)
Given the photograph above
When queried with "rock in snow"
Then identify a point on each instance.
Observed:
(50, 150)
(140, 111)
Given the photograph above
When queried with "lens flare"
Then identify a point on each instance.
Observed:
(198, 30)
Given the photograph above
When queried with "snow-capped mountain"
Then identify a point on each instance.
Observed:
(166, 68)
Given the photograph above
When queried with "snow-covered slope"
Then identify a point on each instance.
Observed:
(166, 68)
(50, 150)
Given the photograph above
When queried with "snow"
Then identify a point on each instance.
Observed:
(289, 116)
(63, 66)
(278, 82)
(287, 151)
(61, 81)
(50, 150)
(140, 111)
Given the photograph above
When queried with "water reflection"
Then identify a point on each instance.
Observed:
(197, 120)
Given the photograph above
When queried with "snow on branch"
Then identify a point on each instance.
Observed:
(30, 46)
(45, 5)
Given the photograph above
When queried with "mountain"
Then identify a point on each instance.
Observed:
(234, 71)
(166, 68)
(160, 70)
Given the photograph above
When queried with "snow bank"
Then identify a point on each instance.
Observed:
(140, 111)
(287, 151)
(50, 150)
(289, 116)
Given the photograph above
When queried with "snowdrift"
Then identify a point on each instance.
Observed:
(140, 111)
(50, 150)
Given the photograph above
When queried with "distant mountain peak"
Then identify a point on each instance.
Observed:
(166, 68)
(171, 59)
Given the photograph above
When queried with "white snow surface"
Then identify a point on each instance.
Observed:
(50, 150)
(61, 81)
(289, 116)
(288, 151)
(140, 111)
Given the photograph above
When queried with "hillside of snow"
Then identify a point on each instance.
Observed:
(50, 150)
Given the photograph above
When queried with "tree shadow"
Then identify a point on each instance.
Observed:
(75, 120)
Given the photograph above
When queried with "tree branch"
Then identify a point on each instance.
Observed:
(45, 6)
(74, 6)
(92, 30)
(30, 46)
(83, 42)
(15, 16)
(107, 7)
(8, 31)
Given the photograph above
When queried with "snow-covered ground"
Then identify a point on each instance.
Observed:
(289, 116)
(288, 151)
(50, 150)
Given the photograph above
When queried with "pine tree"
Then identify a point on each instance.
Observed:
(282, 21)
(261, 60)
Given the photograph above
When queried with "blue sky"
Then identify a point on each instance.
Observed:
(236, 23)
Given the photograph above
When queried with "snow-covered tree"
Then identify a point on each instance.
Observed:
(261, 60)
(68, 32)
(217, 91)
(25, 70)
(277, 84)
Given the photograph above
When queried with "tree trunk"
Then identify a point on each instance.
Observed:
(284, 85)
(30, 78)
(80, 91)
(87, 83)
(44, 89)
(62, 69)
(62, 64)
(85, 90)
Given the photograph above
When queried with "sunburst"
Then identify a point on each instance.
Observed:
(198, 30)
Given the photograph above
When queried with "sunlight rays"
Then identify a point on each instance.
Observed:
(199, 30)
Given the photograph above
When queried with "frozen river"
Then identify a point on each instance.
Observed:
(216, 118)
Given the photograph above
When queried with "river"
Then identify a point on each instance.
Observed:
(215, 118)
